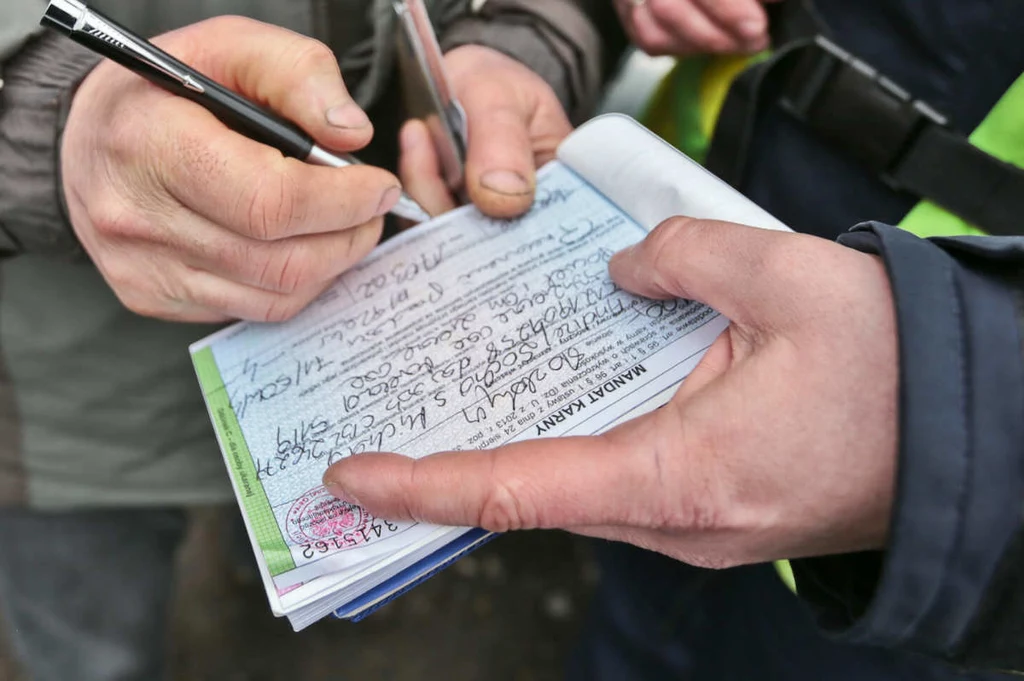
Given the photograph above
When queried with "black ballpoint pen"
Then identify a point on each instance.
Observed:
(109, 39)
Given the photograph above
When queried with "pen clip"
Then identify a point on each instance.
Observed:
(71, 16)
(104, 31)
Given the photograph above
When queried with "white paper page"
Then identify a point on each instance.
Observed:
(463, 333)
(651, 180)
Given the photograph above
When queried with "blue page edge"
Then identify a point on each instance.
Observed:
(405, 580)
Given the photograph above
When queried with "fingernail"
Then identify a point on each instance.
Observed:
(347, 115)
(752, 29)
(340, 494)
(506, 182)
(389, 200)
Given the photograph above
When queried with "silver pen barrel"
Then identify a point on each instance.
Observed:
(407, 207)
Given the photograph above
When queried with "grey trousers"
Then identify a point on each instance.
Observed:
(85, 595)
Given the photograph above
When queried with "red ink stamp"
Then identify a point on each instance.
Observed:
(318, 516)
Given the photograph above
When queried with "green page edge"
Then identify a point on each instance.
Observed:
(240, 466)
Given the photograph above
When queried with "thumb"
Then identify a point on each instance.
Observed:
(295, 76)
(420, 170)
(550, 483)
(500, 172)
(743, 272)
(513, 120)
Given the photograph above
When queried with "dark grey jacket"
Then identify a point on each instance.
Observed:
(951, 582)
(99, 407)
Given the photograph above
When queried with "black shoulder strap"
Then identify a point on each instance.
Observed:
(795, 20)
(864, 115)
(749, 94)
(793, 25)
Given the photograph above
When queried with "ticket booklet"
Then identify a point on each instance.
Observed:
(462, 333)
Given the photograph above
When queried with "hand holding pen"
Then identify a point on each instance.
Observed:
(188, 220)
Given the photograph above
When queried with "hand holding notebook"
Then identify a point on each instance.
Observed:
(781, 443)
(464, 333)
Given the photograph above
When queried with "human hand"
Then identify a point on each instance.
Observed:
(780, 444)
(682, 27)
(190, 221)
(515, 123)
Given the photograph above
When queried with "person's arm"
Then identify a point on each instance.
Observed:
(573, 45)
(857, 403)
(951, 581)
(38, 73)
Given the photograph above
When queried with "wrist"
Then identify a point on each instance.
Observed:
(40, 81)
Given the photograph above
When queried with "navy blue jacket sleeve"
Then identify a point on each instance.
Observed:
(950, 583)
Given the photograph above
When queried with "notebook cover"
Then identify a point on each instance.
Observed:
(407, 579)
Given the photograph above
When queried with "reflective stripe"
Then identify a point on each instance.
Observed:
(686, 108)
(714, 86)
(785, 572)
(1001, 134)
(674, 111)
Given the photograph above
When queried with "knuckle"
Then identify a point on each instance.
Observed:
(663, 9)
(718, 42)
(313, 55)
(282, 308)
(194, 290)
(286, 270)
(670, 237)
(229, 24)
(230, 256)
(122, 135)
(113, 220)
(136, 293)
(272, 204)
(502, 510)
(734, 11)
(360, 241)
(140, 305)
(121, 277)
(669, 232)
(359, 200)
(653, 42)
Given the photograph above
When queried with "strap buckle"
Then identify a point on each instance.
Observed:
(852, 105)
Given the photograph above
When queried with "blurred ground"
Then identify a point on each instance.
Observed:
(508, 612)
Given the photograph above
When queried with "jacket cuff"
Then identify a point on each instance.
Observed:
(556, 39)
(39, 82)
(960, 480)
